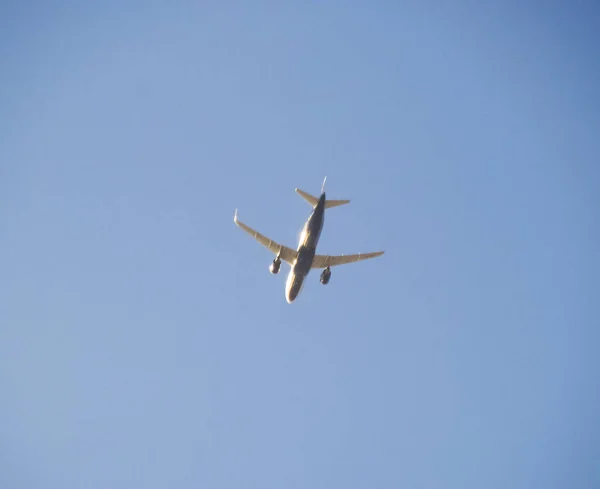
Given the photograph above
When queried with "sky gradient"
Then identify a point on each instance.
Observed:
(143, 343)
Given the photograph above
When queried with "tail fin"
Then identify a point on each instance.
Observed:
(312, 200)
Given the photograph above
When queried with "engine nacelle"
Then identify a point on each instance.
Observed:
(325, 276)
(274, 267)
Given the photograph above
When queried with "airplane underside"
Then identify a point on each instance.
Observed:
(305, 258)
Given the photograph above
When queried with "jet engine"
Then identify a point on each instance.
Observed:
(325, 276)
(274, 267)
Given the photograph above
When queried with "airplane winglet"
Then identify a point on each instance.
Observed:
(323, 186)
(235, 219)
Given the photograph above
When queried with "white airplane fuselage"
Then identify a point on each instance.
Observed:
(305, 257)
(307, 247)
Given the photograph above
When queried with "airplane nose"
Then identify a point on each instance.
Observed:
(292, 293)
(290, 296)
(292, 287)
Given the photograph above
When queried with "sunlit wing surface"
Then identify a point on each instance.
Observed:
(286, 254)
(323, 261)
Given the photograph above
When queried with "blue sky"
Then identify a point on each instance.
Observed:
(143, 342)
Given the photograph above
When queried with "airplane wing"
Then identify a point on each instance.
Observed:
(323, 261)
(287, 254)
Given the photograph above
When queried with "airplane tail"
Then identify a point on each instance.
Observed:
(335, 203)
(312, 200)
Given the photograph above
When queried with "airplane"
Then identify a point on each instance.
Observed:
(304, 258)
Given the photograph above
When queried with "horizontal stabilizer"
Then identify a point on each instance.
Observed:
(335, 203)
(312, 200)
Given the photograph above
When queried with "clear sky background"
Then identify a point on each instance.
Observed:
(143, 343)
